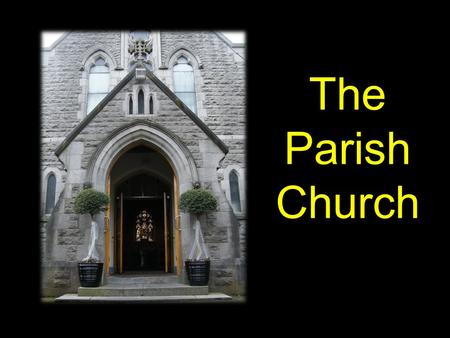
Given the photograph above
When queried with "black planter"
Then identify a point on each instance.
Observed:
(197, 272)
(90, 274)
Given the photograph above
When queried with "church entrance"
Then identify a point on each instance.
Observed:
(143, 234)
(143, 217)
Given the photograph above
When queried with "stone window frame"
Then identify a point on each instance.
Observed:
(225, 184)
(134, 95)
(233, 173)
(88, 61)
(196, 64)
(129, 97)
(58, 188)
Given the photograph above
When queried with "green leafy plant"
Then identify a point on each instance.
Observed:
(90, 201)
(197, 201)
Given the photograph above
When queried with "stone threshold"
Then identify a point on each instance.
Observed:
(143, 290)
(209, 298)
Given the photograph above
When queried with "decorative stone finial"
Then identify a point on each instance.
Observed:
(140, 46)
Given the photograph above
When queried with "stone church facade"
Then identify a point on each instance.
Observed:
(142, 116)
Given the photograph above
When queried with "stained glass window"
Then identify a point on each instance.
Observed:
(234, 191)
(144, 226)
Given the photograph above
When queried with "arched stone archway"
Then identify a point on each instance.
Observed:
(159, 138)
(171, 148)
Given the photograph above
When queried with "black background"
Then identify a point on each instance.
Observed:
(368, 262)
(370, 266)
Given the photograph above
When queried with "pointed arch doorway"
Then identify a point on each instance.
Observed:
(142, 184)
(184, 173)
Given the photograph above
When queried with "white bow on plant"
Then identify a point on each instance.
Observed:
(198, 201)
(92, 254)
(199, 243)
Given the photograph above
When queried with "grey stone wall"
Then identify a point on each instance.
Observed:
(223, 85)
(60, 87)
(113, 116)
(60, 90)
(223, 93)
(220, 235)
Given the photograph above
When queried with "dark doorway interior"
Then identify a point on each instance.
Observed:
(144, 193)
(143, 255)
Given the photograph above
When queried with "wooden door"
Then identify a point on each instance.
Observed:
(119, 235)
(178, 257)
(166, 235)
(107, 230)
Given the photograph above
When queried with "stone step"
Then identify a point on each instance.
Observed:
(209, 298)
(142, 279)
(174, 289)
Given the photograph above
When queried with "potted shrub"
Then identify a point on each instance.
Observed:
(90, 269)
(198, 201)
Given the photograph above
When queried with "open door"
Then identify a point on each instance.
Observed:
(119, 234)
(166, 236)
(178, 257)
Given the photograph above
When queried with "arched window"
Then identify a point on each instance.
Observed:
(141, 102)
(98, 83)
(51, 191)
(150, 109)
(183, 78)
(234, 191)
(130, 105)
